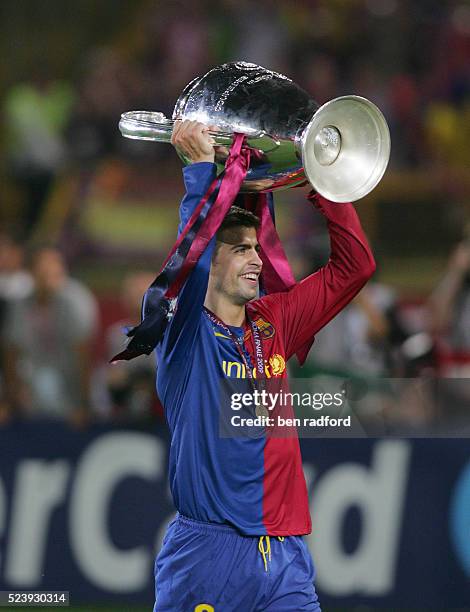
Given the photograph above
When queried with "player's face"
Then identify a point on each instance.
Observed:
(236, 268)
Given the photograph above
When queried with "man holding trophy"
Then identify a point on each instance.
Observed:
(237, 542)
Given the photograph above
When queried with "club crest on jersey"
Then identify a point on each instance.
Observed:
(266, 329)
(277, 363)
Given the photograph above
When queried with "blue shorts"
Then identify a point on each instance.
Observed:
(204, 567)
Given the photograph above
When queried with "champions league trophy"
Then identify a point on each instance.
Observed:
(342, 148)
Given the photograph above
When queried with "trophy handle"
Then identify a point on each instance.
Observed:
(148, 125)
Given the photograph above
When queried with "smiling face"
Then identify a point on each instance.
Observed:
(236, 267)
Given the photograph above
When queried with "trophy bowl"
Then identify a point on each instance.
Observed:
(341, 148)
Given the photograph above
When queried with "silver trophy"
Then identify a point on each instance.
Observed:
(342, 148)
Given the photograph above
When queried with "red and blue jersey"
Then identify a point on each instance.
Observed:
(255, 484)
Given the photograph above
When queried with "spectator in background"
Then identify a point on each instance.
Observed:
(131, 384)
(450, 302)
(108, 86)
(449, 308)
(48, 344)
(358, 340)
(261, 34)
(15, 283)
(36, 113)
(361, 350)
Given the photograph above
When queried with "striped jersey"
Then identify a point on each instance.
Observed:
(255, 484)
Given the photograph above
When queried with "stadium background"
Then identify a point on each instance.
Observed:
(398, 536)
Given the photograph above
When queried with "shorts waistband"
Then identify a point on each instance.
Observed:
(210, 527)
(264, 541)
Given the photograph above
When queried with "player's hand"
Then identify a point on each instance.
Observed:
(193, 140)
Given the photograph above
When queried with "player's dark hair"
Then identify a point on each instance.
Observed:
(235, 219)
(229, 231)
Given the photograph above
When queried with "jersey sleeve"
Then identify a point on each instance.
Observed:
(184, 324)
(310, 304)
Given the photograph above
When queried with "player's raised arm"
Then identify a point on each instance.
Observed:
(314, 301)
(191, 139)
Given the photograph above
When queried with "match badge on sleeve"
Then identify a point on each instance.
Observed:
(277, 363)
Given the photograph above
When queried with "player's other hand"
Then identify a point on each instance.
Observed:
(193, 140)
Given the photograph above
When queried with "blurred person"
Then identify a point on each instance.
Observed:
(176, 42)
(362, 338)
(108, 84)
(242, 502)
(48, 344)
(450, 301)
(261, 34)
(449, 310)
(406, 122)
(387, 365)
(15, 283)
(131, 384)
(35, 114)
(355, 347)
(357, 338)
(186, 49)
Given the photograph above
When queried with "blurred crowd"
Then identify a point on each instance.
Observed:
(411, 58)
(402, 370)
(405, 367)
(51, 364)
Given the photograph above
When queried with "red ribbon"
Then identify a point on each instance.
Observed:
(276, 273)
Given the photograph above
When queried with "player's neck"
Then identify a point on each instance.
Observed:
(228, 312)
